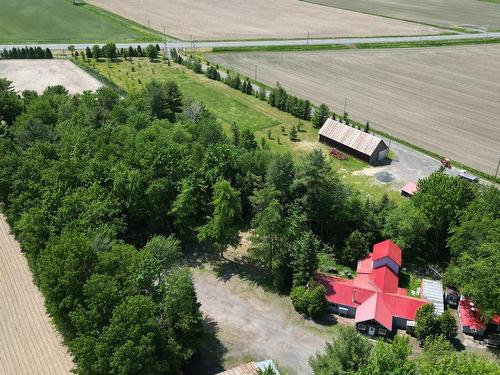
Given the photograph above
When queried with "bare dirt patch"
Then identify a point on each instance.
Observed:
(29, 344)
(38, 74)
(257, 325)
(256, 19)
(445, 99)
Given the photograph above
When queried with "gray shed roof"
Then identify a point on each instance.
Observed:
(349, 136)
(432, 291)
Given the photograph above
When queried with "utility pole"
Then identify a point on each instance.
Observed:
(165, 35)
(422, 33)
(498, 165)
(345, 105)
(255, 75)
(307, 39)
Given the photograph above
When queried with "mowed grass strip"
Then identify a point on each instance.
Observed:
(247, 111)
(59, 21)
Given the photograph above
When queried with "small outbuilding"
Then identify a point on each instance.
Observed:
(409, 189)
(364, 146)
(432, 291)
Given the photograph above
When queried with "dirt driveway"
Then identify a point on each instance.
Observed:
(259, 325)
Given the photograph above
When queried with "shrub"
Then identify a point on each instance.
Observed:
(299, 299)
(316, 302)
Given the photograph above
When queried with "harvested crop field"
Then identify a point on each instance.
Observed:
(257, 19)
(448, 13)
(29, 344)
(446, 99)
(38, 74)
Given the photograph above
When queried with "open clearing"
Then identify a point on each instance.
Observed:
(258, 325)
(256, 19)
(448, 13)
(59, 21)
(38, 74)
(29, 344)
(446, 99)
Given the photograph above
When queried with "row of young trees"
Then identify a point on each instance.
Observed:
(26, 53)
(352, 353)
(111, 52)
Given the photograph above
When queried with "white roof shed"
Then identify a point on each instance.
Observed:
(432, 291)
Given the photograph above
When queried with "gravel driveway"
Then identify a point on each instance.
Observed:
(257, 324)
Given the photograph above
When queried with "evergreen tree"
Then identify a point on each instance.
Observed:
(320, 116)
(221, 228)
(88, 52)
(305, 258)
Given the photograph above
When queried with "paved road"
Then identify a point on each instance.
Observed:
(292, 42)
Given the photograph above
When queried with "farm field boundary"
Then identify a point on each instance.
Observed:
(327, 47)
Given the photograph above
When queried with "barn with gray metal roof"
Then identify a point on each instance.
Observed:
(363, 145)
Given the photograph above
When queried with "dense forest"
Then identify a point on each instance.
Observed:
(109, 195)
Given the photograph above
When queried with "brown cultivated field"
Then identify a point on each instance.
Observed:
(38, 74)
(445, 99)
(29, 344)
(448, 13)
(256, 19)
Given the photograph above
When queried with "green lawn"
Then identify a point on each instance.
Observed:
(247, 111)
(59, 21)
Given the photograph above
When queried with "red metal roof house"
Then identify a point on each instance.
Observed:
(471, 322)
(373, 298)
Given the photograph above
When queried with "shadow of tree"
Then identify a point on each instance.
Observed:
(210, 358)
(243, 267)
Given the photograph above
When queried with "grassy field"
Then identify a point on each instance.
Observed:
(440, 99)
(59, 21)
(247, 111)
(445, 13)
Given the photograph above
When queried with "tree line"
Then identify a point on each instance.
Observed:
(26, 53)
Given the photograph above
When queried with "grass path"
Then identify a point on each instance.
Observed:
(29, 344)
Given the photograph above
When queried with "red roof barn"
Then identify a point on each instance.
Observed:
(373, 298)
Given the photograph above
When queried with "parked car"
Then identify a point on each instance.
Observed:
(452, 300)
(467, 176)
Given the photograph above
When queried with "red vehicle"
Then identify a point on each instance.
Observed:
(338, 154)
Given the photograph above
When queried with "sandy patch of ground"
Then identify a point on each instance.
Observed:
(445, 99)
(29, 344)
(38, 74)
(256, 19)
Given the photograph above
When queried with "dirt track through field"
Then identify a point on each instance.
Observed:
(445, 99)
(256, 19)
(29, 344)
